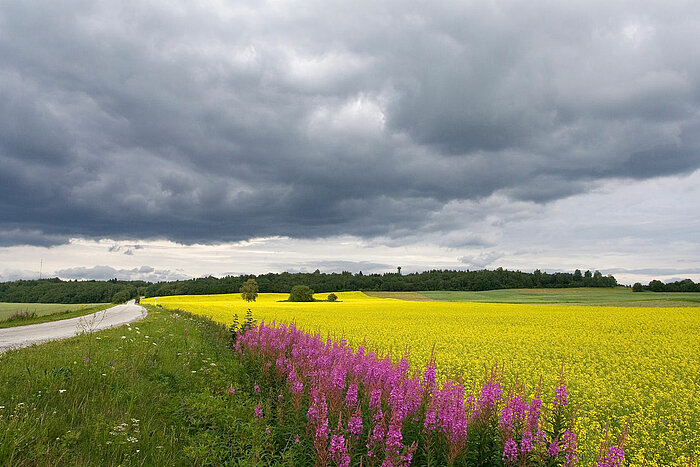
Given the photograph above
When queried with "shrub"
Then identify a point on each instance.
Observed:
(120, 297)
(301, 293)
(332, 297)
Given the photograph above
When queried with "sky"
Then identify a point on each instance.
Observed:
(162, 140)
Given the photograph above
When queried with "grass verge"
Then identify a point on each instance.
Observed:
(155, 392)
(56, 316)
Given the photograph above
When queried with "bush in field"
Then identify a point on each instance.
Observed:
(121, 297)
(249, 290)
(332, 297)
(301, 293)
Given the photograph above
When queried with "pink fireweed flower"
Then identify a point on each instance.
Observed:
(256, 388)
(351, 396)
(510, 451)
(377, 435)
(338, 377)
(560, 397)
(258, 413)
(231, 390)
(614, 457)
(533, 418)
(553, 449)
(430, 420)
(375, 399)
(394, 441)
(429, 378)
(339, 452)
(526, 443)
(490, 394)
(355, 424)
(570, 448)
(321, 437)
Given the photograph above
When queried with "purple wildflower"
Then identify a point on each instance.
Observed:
(553, 450)
(375, 399)
(351, 396)
(526, 443)
(258, 411)
(614, 458)
(570, 448)
(560, 396)
(510, 451)
(355, 424)
(339, 452)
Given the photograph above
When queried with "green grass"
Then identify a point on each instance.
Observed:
(151, 393)
(45, 312)
(619, 296)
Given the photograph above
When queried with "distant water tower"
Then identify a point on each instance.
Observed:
(399, 268)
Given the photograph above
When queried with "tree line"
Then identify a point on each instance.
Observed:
(685, 285)
(58, 291)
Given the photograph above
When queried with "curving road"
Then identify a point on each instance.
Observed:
(22, 336)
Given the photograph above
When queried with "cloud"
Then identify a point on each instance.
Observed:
(480, 260)
(325, 266)
(20, 236)
(143, 273)
(211, 123)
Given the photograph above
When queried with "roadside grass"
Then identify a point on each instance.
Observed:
(155, 392)
(618, 296)
(22, 314)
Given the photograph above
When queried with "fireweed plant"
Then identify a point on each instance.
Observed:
(357, 408)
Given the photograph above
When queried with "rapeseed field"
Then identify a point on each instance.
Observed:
(620, 364)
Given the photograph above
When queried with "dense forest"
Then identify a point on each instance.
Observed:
(59, 291)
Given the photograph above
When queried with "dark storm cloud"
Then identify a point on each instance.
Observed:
(217, 122)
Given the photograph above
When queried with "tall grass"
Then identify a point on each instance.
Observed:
(151, 393)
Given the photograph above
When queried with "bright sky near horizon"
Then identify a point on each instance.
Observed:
(161, 140)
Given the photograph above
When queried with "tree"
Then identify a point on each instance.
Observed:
(120, 297)
(332, 297)
(637, 287)
(249, 290)
(301, 293)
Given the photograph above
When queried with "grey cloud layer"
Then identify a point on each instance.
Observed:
(209, 123)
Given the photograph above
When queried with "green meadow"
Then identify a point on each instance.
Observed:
(156, 392)
(33, 313)
(618, 296)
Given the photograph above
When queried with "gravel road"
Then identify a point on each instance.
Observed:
(22, 336)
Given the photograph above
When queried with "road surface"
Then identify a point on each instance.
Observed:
(22, 336)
